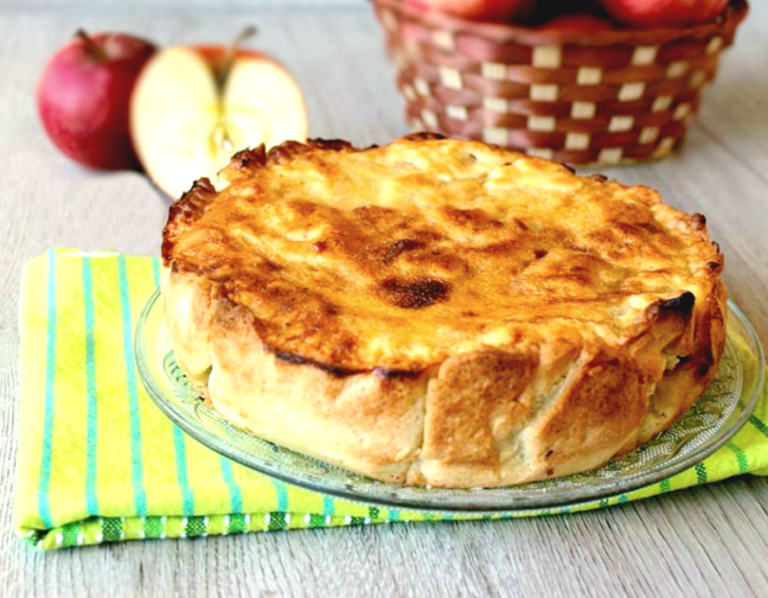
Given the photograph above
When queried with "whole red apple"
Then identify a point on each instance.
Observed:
(660, 13)
(582, 21)
(84, 94)
(486, 10)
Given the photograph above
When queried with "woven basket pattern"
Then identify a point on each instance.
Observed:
(605, 98)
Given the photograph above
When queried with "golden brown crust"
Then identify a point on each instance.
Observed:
(441, 312)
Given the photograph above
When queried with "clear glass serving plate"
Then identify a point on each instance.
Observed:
(718, 415)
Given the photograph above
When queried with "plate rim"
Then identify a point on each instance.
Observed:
(630, 483)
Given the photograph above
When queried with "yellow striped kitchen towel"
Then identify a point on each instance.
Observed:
(98, 462)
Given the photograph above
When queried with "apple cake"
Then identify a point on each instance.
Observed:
(440, 312)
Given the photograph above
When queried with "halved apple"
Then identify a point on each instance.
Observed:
(193, 107)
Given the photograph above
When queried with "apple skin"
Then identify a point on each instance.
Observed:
(661, 13)
(487, 10)
(583, 21)
(83, 98)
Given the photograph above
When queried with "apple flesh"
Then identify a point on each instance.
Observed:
(490, 10)
(83, 97)
(193, 108)
(661, 13)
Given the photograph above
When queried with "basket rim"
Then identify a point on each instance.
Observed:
(733, 15)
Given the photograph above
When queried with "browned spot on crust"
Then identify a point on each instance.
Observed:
(388, 373)
(373, 216)
(288, 150)
(249, 158)
(520, 224)
(698, 221)
(473, 219)
(398, 247)
(682, 305)
(414, 294)
(336, 371)
(678, 308)
(424, 136)
(339, 371)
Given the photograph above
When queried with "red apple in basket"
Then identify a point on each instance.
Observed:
(193, 107)
(663, 13)
(490, 10)
(83, 97)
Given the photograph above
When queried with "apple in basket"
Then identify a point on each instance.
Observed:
(83, 97)
(492, 10)
(193, 107)
(660, 13)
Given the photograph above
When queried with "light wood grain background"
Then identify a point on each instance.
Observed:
(708, 541)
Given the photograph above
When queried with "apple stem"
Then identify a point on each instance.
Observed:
(91, 47)
(229, 59)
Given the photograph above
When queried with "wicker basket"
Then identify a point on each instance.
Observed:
(601, 98)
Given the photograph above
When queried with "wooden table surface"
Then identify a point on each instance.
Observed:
(711, 540)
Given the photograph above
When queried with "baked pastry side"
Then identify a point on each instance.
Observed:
(440, 312)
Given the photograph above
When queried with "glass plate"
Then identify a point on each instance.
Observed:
(718, 415)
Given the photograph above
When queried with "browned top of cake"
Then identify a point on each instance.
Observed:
(397, 256)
